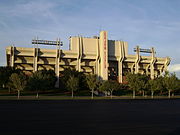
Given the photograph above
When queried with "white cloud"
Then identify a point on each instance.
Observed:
(29, 11)
(32, 8)
(174, 68)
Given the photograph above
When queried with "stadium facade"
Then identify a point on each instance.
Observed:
(108, 59)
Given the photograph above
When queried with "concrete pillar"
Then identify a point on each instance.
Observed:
(103, 55)
(120, 61)
(147, 69)
(77, 64)
(12, 56)
(167, 62)
(57, 60)
(97, 58)
(35, 59)
(96, 67)
(79, 55)
(132, 68)
(155, 74)
(120, 72)
(152, 71)
(153, 60)
(137, 60)
(161, 70)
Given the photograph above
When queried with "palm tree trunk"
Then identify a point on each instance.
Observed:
(72, 94)
(18, 94)
(92, 95)
(152, 94)
(134, 94)
(169, 95)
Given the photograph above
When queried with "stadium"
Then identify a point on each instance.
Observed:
(108, 59)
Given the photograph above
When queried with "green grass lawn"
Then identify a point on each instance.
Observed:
(65, 95)
(45, 97)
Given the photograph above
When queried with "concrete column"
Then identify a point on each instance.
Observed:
(120, 71)
(77, 65)
(153, 60)
(147, 69)
(79, 55)
(35, 59)
(120, 60)
(152, 71)
(104, 55)
(12, 56)
(167, 62)
(97, 58)
(57, 60)
(132, 68)
(137, 60)
(155, 74)
(96, 67)
(161, 70)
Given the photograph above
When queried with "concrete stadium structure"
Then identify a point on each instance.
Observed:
(109, 59)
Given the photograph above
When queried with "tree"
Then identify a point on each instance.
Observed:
(65, 75)
(143, 80)
(131, 78)
(5, 73)
(18, 82)
(35, 82)
(49, 79)
(42, 80)
(73, 84)
(171, 82)
(137, 82)
(155, 85)
(114, 85)
(110, 86)
(92, 83)
(104, 86)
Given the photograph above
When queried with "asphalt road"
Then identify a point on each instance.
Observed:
(90, 117)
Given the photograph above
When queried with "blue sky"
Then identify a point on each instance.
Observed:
(139, 22)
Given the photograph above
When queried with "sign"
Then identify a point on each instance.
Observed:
(105, 50)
